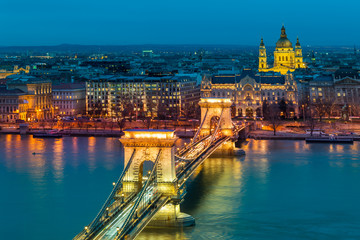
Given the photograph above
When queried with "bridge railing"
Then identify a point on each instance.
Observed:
(200, 127)
(190, 168)
(96, 223)
(134, 210)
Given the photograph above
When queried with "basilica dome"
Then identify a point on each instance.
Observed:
(283, 42)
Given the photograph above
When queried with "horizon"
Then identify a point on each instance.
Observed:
(177, 44)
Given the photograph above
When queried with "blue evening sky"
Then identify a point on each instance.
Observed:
(117, 22)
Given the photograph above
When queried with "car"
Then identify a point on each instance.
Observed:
(315, 132)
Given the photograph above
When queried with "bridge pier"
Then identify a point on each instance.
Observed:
(213, 110)
(170, 216)
(226, 149)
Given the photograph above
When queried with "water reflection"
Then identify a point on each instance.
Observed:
(58, 160)
(219, 181)
(91, 153)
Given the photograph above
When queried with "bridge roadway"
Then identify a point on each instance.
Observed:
(110, 230)
(187, 161)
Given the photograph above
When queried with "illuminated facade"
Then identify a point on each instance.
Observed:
(38, 96)
(13, 105)
(69, 99)
(4, 73)
(249, 91)
(143, 95)
(285, 57)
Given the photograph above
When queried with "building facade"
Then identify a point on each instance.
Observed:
(16, 70)
(13, 105)
(69, 99)
(340, 90)
(285, 57)
(38, 95)
(249, 91)
(142, 95)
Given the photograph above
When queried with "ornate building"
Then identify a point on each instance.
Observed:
(249, 91)
(37, 98)
(285, 57)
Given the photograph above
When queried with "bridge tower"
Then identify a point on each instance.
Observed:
(148, 145)
(217, 111)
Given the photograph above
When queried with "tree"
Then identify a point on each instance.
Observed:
(329, 106)
(80, 124)
(311, 121)
(121, 123)
(150, 106)
(162, 110)
(354, 109)
(283, 107)
(274, 117)
(265, 109)
(104, 123)
(319, 108)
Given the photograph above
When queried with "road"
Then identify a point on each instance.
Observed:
(110, 231)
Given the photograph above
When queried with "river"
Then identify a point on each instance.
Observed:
(279, 190)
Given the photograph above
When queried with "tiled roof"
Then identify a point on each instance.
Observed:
(223, 79)
(69, 86)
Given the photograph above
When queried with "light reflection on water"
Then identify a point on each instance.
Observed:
(279, 190)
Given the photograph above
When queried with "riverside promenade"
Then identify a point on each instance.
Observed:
(269, 135)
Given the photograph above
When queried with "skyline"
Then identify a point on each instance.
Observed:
(43, 23)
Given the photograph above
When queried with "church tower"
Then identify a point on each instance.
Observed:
(298, 55)
(262, 56)
(286, 58)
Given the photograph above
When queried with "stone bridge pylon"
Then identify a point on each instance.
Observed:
(216, 115)
(147, 146)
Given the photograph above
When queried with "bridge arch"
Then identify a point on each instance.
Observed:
(213, 109)
(148, 146)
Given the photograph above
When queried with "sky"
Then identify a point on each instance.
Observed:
(127, 22)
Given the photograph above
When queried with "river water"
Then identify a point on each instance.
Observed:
(279, 190)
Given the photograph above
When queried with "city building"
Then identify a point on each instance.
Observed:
(145, 96)
(249, 91)
(285, 57)
(13, 105)
(16, 70)
(38, 95)
(69, 99)
(339, 90)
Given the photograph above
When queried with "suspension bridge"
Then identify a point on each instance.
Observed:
(153, 199)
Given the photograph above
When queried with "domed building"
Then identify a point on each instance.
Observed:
(285, 57)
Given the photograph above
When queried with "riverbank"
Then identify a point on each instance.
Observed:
(269, 135)
(181, 133)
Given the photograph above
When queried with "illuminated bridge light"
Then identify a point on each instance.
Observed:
(216, 100)
(149, 134)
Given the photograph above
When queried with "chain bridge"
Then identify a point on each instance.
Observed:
(153, 199)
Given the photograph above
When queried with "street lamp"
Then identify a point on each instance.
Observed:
(303, 107)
